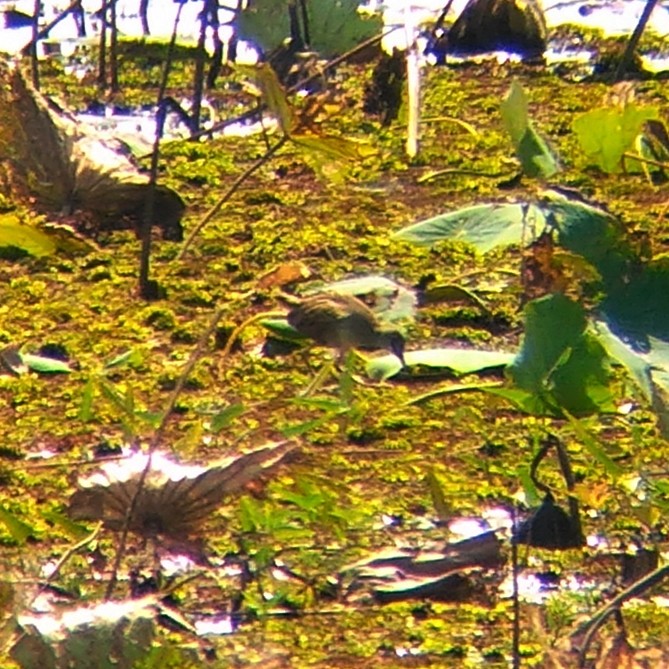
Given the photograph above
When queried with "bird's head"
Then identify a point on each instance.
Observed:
(395, 344)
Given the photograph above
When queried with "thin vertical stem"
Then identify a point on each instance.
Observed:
(102, 67)
(33, 44)
(516, 597)
(79, 17)
(147, 289)
(200, 56)
(413, 83)
(113, 48)
(305, 24)
(143, 15)
(634, 40)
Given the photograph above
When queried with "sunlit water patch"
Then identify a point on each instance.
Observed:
(556, 54)
(215, 625)
(617, 17)
(494, 518)
(175, 565)
(161, 17)
(655, 64)
(138, 127)
(81, 616)
(612, 18)
(42, 454)
(535, 588)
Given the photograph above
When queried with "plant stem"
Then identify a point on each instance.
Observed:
(146, 288)
(230, 192)
(634, 40)
(157, 438)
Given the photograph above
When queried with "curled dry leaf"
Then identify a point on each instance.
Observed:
(284, 274)
(450, 574)
(66, 167)
(175, 499)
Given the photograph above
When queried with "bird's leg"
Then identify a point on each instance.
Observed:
(346, 378)
(346, 381)
(348, 368)
(319, 379)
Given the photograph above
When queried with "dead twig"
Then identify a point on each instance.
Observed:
(591, 627)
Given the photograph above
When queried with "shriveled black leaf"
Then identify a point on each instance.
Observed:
(549, 527)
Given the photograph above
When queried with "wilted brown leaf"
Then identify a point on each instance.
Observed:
(174, 499)
(284, 274)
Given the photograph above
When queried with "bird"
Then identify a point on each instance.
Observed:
(343, 322)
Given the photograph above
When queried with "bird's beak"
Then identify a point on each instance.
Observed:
(398, 349)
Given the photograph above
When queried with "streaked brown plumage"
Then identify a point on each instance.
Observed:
(343, 322)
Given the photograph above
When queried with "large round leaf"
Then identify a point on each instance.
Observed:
(485, 226)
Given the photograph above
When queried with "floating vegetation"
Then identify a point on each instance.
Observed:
(534, 324)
